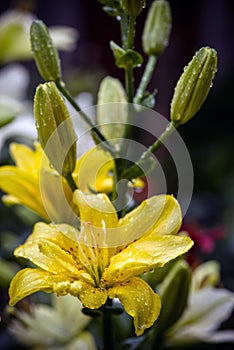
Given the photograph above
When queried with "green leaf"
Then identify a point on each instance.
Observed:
(130, 59)
(5, 119)
(118, 51)
(125, 59)
(9, 109)
(132, 7)
(148, 100)
(113, 3)
(111, 11)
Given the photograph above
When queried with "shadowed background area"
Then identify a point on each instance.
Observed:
(209, 136)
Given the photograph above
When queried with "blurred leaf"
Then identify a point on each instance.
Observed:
(9, 108)
(7, 271)
(174, 291)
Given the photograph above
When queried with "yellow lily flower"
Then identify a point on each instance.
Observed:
(21, 181)
(33, 183)
(24, 181)
(104, 257)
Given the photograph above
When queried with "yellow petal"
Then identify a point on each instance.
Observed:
(57, 196)
(144, 255)
(158, 215)
(53, 233)
(93, 171)
(91, 297)
(139, 301)
(10, 200)
(29, 281)
(50, 250)
(25, 158)
(96, 209)
(65, 236)
(24, 187)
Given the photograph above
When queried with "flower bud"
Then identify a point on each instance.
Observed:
(112, 112)
(157, 28)
(44, 52)
(175, 287)
(194, 85)
(132, 7)
(55, 129)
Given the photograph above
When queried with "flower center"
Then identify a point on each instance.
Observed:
(90, 253)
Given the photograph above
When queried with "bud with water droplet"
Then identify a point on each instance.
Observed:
(194, 85)
(157, 28)
(44, 52)
(132, 7)
(55, 129)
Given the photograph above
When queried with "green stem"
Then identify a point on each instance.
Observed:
(167, 132)
(127, 34)
(129, 82)
(107, 328)
(135, 170)
(129, 78)
(131, 32)
(149, 68)
(105, 144)
(71, 182)
(124, 30)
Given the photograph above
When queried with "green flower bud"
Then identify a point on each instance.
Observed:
(55, 129)
(44, 52)
(112, 112)
(173, 292)
(132, 7)
(157, 28)
(194, 85)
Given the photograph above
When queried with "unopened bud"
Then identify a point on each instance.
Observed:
(157, 28)
(174, 287)
(112, 112)
(132, 7)
(55, 129)
(194, 85)
(44, 52)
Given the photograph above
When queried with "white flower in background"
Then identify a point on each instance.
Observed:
(14, 80)
(207, 308)
(55, 327)
(14, 36)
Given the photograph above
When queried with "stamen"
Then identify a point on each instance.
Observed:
(89, 251)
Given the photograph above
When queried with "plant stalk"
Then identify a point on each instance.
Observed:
(105, 144)
(149, 68)
(107, 328)
(135, 170)
(71, 182)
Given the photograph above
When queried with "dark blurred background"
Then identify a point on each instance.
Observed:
(209, 136)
